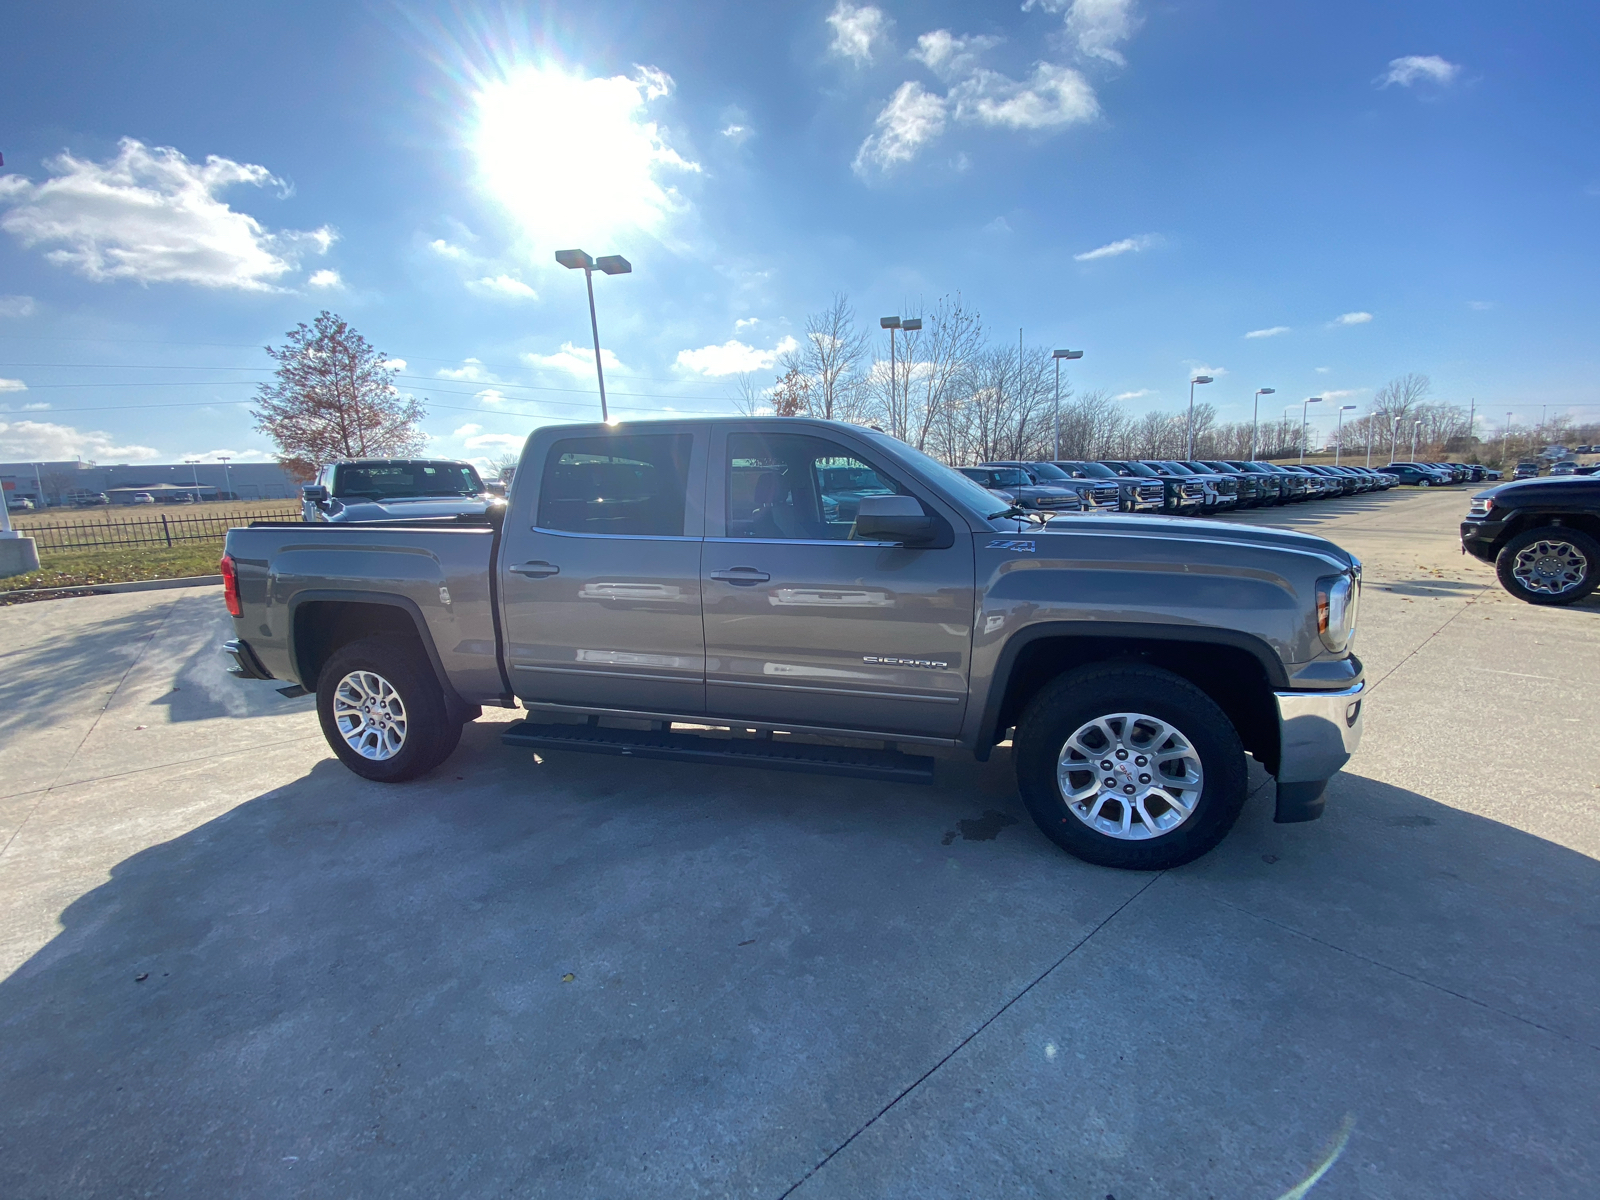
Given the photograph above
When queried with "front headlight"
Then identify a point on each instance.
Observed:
(1481, 508)
(1338, 597)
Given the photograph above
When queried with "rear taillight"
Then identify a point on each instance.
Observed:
(230, 586)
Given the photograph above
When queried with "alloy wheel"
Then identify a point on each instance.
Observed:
(1130, 776)
(370, 715)
(1550, 567)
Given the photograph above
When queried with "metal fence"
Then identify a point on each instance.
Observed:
(151, 531)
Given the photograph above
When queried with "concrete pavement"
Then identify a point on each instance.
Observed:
(232, 968)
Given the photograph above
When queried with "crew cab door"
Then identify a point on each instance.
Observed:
(600, 572)
(806, 625)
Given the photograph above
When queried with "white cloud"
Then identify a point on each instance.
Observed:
(503, 287)
(154, 217)
(1341, 394)
(495, 441)
(737, 134)
(745, 323)
(732, 358)
(949, 56)
(1266, 333)
(238, 456)
(998, 225)
(577, 161)
(1353, 318)
(467, 430)
(43, 441)
(1418, 68)
(492, 396)
(1480, 305)
(16, 306)
(1322, 370)
(856, 29)
(445, 250)
(471, 370)
(1130, 245)
(1138, 395)
(12, 385)
(912, 118)
(1055, 97)
(325, 278)
(577, 361)
(1096, 25)
(395, 364)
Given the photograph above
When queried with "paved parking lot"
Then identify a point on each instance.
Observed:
(233, 968)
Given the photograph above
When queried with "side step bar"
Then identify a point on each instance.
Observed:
(771, 753)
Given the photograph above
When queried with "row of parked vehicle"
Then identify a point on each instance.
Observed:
(1186, 488)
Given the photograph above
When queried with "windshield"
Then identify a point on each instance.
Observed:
(1088, 470)
(1131, 468)
(1049, 471)
(962, 489)
(1178, 468)
(404, 480)
(996, 477)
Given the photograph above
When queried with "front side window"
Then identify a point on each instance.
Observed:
(630, 485)
(795, 486)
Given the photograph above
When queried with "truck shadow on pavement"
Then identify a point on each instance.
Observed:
(627, 978)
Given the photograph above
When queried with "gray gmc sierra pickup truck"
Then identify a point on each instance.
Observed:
(790, 589)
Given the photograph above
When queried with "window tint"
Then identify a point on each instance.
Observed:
(789, 485)
(400, 480)
(631, 485)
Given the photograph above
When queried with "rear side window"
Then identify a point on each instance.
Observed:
(629, 485)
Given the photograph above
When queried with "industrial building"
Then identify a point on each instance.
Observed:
(65, 483)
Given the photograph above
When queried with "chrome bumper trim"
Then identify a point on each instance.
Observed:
(1318, 732)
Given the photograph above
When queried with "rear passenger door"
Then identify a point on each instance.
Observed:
(600, 574)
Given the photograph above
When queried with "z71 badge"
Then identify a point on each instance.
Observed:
(1012, 544)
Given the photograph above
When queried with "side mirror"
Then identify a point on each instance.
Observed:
(894, 519)
(314, 493)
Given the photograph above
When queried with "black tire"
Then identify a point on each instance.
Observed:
(1564, 547)
(1068, 704)
(426, 734)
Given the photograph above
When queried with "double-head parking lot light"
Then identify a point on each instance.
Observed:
(1255, 417)
(910, 325)
(1304, 408)
(1338, 438)
(1058, 355)
(610, 264)
(1196, 379)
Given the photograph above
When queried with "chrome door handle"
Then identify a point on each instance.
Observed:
(535, 570)
(741, 575)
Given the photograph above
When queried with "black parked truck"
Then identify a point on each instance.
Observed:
(651, 581)
(1542, 535)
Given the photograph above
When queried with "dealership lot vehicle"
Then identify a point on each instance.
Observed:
(395, 489)
(1135, 494)
(1094, 495)
(686, 573)
(1542, 535)
(1022, 490)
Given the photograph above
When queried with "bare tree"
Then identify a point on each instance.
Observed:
(830, 356)
(752, 400)
(333, 397)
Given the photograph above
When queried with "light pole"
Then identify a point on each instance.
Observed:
(1255, 417)
(227, 475)
(611, 264)
(1394, 437)
(1505, 444)
(910, 325)
(1305, 408)
(1416, 427)
(1058, 355)
(194, 473)
(1196, 379)
(1338, 437)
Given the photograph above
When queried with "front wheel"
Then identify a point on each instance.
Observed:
(1130, 767)
(383, 712)
(1552, 565)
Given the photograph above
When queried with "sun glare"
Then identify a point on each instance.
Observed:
(576, 160)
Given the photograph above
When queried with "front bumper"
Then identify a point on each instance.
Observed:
(1479, 538)
(1317, 734)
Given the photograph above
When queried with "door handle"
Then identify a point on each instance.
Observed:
(535, 570)
(741, 575)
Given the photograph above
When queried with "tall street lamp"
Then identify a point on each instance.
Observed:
(611, 264)
(1192, 382)
(1305, 408)
(1338, 437)
(1058, 355)
(1394, 437)
(194, 473)
(1416, 428)
(227, 476)
(910, 325)
(1255, 417)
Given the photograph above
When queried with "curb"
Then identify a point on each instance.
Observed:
(106, 589)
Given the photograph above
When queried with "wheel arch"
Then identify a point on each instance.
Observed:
(1238, 671)
(322, 622)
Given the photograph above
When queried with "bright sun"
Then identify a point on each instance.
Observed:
(576, 160)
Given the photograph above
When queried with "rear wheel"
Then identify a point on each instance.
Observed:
(383, 712)
(1130, 767)
(1552, 565)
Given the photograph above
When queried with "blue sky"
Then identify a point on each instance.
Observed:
(1368, 189)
